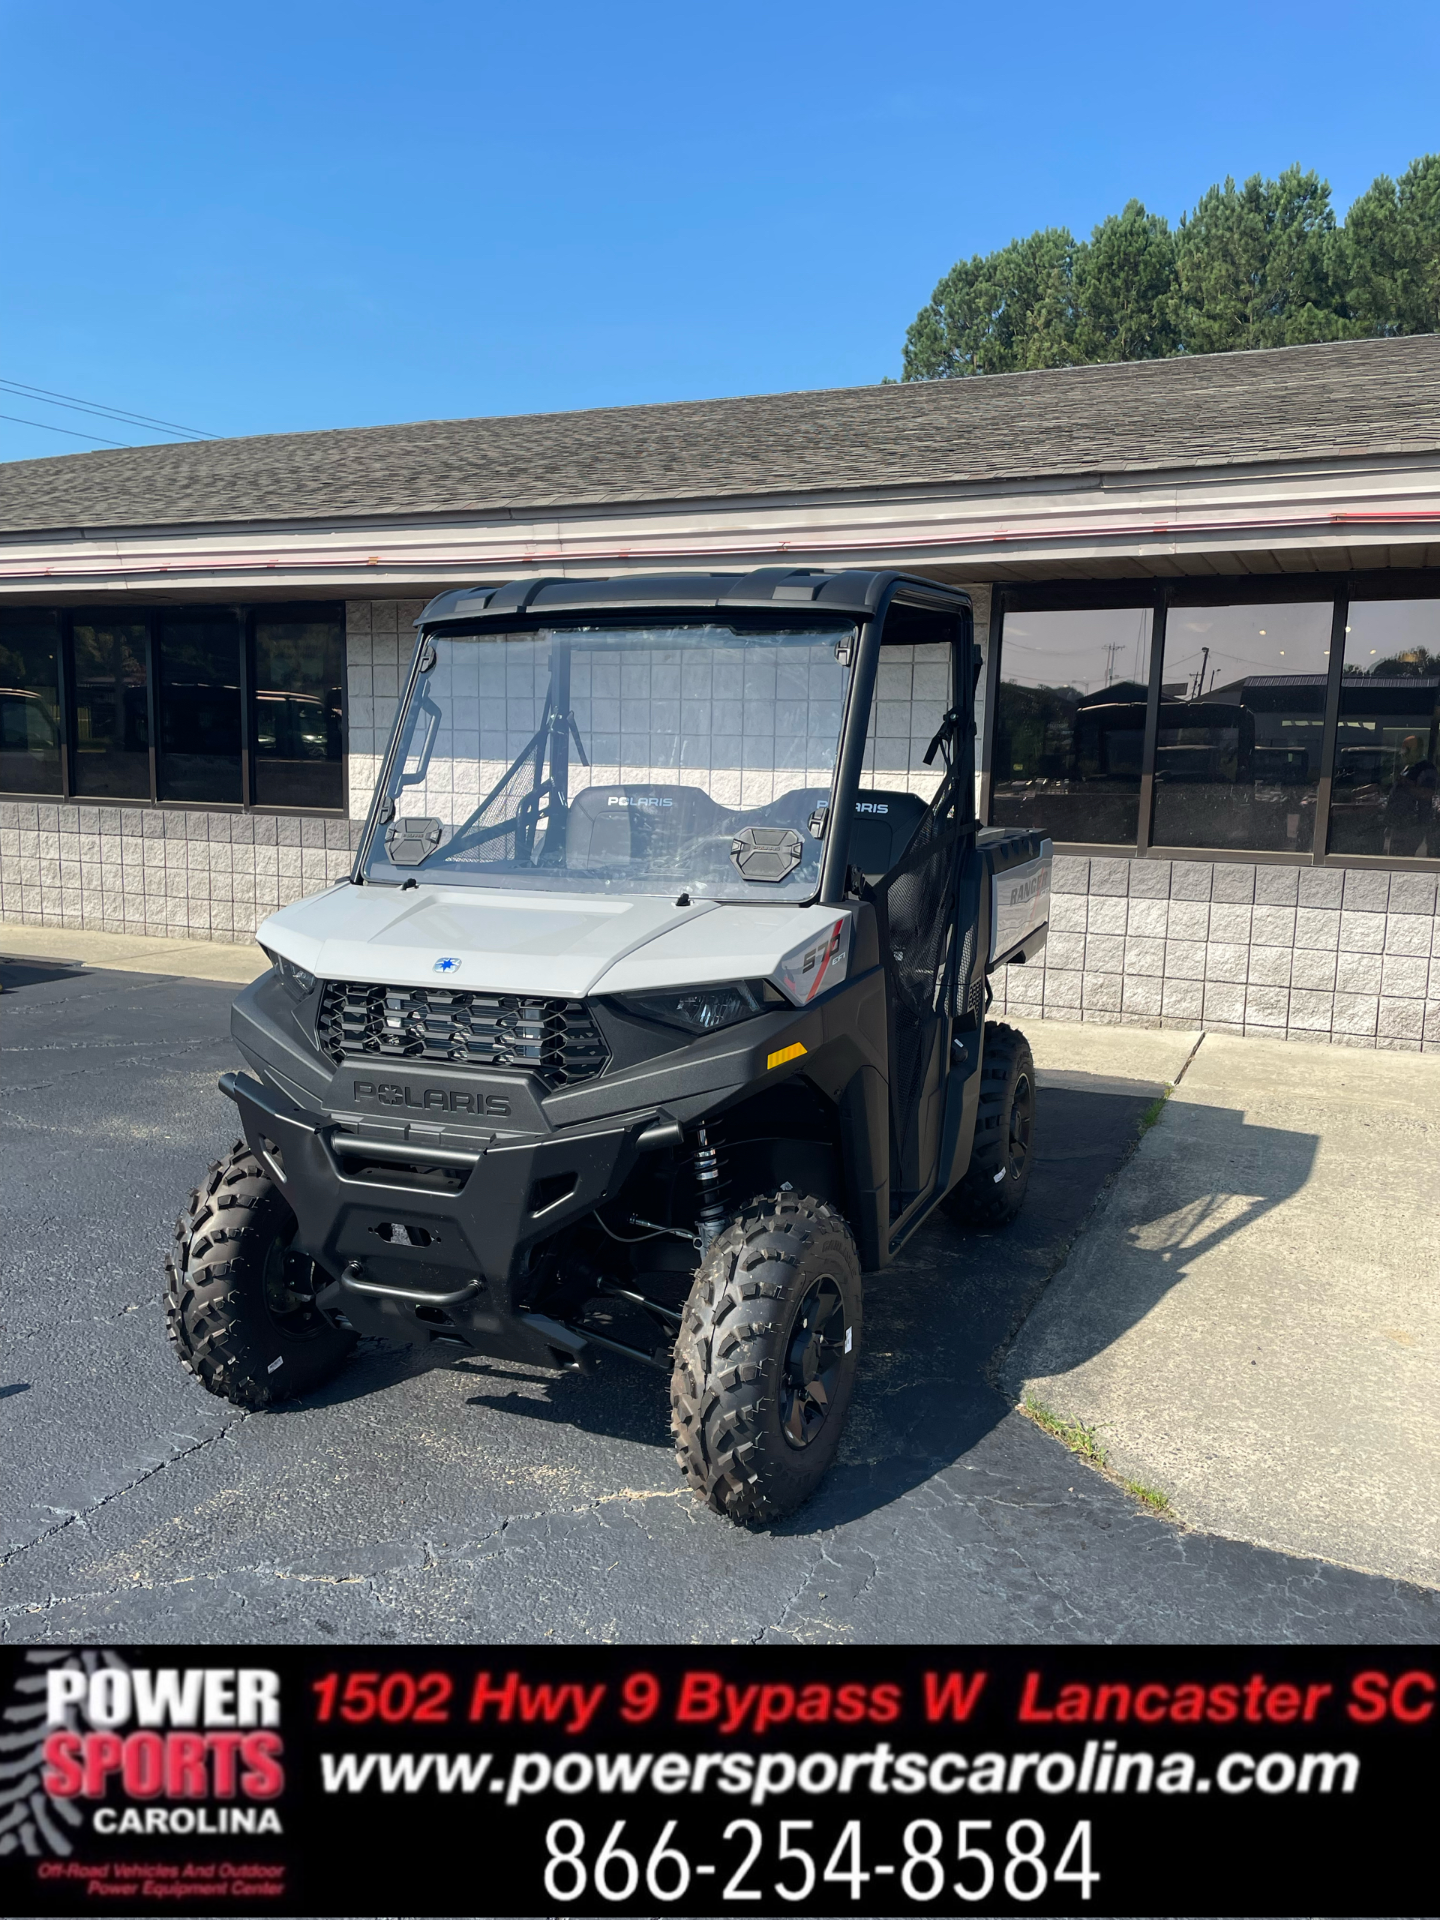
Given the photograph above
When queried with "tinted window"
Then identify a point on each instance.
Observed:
(199, 706)
(1070, 723)
(112, 721)
(298, 673)
(29, 702)
(1386, 752)
(1237, 759)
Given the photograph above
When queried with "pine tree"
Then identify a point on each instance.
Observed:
(1388, 255)
(1004, 312)
(1123, 282)
(1252, 270)
(1260, 265)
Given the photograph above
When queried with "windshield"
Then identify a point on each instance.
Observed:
(685, 758)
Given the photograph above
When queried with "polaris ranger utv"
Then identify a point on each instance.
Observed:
(651, 1017)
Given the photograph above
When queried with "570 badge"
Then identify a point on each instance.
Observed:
(922, 1875)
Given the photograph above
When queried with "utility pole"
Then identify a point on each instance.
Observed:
(1199, 686)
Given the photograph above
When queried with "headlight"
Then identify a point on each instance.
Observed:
(704, 1009)
(295, 980)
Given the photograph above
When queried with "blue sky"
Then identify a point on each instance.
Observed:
(270, 217)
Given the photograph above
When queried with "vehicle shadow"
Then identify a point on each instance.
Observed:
(1177, 1211)
(619, 1400)
(940, 1320)
(936, 1322)
(932, 1322)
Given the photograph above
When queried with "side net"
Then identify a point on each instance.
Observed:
(927, 963)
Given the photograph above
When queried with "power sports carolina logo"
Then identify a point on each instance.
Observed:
(32, 1821)
(203, 1739)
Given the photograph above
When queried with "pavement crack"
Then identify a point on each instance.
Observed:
(1185, 1063)
(822, 1558)
(149, 1473)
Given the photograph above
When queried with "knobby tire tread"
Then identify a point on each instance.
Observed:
(725, 1380)
(976, 1199)
(221, 1240)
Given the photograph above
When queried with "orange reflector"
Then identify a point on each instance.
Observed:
(786, 1053)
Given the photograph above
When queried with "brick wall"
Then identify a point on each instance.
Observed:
(379, 643)
(187, 874)
(1294, 953)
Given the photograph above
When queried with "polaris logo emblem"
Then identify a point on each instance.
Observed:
(638, 800)
(449, 964)
(871, 806)
(394, 1093)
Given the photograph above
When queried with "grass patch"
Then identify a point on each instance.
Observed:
(1086, 1441)
(1073, 1434)
(1150, 1497)
(1153, 1112)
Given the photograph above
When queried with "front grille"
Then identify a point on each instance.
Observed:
(554, 1039)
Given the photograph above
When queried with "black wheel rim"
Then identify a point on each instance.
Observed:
(288, 1289)
(812, 1363)
(1022, 1122)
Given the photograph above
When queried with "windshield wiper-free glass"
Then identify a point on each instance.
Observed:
(690, 757)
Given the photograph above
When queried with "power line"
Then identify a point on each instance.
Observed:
(74, 435)
(75, 406)
(123, 414)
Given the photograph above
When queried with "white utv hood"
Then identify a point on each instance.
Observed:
(565, 945)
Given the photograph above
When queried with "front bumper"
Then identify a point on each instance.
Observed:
(425, 1190)
(429, 1243)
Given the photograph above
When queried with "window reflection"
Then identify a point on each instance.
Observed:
(199, 706)
(1070, 723)
(29, 701)
(298, 746)
(1242, 717)
(1385, 791)
(112, 721)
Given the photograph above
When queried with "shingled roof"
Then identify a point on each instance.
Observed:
(1362, 397)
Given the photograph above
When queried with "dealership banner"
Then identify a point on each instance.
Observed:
(371, 1781)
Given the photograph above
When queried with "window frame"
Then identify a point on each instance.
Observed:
(1338, 589)
(246, 614)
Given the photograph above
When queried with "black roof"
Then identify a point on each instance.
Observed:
(853, 591)
(1353, 397)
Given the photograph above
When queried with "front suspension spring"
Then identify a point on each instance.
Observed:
(710, 1216)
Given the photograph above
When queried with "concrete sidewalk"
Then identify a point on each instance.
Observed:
(1248, 1320)
(132, 952)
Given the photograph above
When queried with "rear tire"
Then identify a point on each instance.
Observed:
(239, 1306)
(766, 1356)
(993, 1188)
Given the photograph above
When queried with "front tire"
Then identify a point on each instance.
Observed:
(766, 1356)
(239, 1305)
(993, 1188)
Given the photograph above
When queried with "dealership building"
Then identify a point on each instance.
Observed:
(1207, 593)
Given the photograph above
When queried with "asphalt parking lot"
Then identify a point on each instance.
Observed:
(490, 1503)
